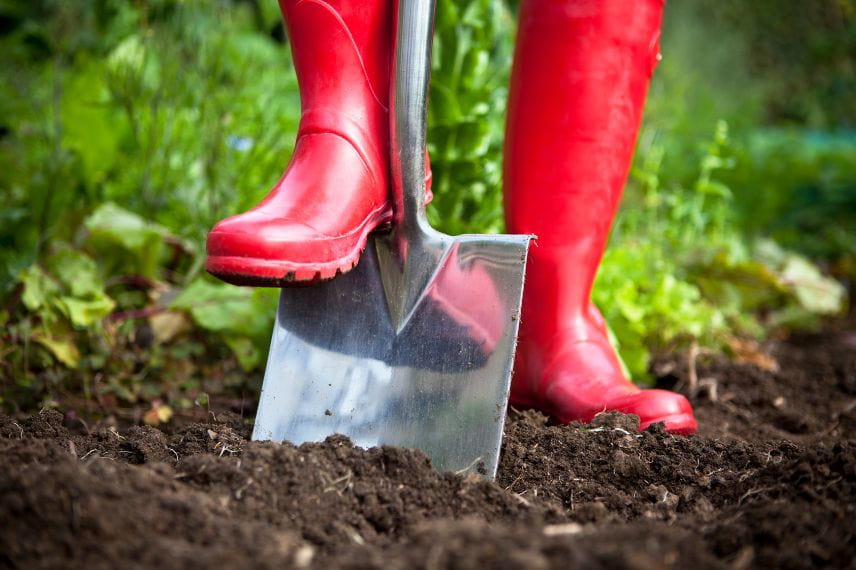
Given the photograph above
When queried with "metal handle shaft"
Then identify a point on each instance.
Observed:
(409, 102)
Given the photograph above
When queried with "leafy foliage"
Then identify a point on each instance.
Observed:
(804, 55)
(471, 66)
(699, 281)
(803, 192)
(95, 310)
(168, 108)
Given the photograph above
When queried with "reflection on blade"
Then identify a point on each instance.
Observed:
(440, 384)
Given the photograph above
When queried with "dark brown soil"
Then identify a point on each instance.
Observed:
(770, 482)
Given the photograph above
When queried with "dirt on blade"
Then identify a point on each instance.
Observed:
(770, 482)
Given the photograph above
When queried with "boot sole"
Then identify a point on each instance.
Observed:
(260, 272)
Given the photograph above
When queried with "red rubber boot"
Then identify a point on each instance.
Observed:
(315, 222)
(580, 77)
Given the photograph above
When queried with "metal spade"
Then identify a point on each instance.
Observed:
(413, 347)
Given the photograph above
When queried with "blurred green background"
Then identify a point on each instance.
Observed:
(127, 128)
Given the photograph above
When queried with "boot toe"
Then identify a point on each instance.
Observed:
(653, 406)
(584, 378)
(260, 250)
(256, 235)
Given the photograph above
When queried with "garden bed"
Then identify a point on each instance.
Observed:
(770, 481)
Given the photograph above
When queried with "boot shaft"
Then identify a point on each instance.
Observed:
(342, 52)
(340, 44)
(580, 77)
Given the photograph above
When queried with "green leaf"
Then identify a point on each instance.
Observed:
(627, 301)
(243, 316)
(630, 344)
(77, 271)
(794, 317)
(62, 348)
(816, 293)
(85, 312)
(39, 288)
(248, 355)
(745, 285)
(121, 391)
(238, 311)
(92, 127)
(128, 58)
(770, 253)
(114, 233)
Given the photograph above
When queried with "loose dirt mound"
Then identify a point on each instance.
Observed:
(770, 482)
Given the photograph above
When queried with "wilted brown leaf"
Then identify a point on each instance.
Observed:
(750, 352)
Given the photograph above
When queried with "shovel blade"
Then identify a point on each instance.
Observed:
(340, 362)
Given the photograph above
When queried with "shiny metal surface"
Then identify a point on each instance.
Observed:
(414, 347)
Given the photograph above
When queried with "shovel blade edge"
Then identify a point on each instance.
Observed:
(339, 364)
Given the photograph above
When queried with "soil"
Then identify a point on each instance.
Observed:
(769, 482)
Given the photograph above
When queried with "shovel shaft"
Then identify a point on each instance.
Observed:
(409, 101)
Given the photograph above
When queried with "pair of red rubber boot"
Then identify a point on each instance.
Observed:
(579, 83)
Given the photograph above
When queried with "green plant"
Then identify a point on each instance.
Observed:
(180, 111)
(678, 269)
(471, 66)
(803, 192)
(101, 317)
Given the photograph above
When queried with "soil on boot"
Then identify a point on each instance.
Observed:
(770, 481)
